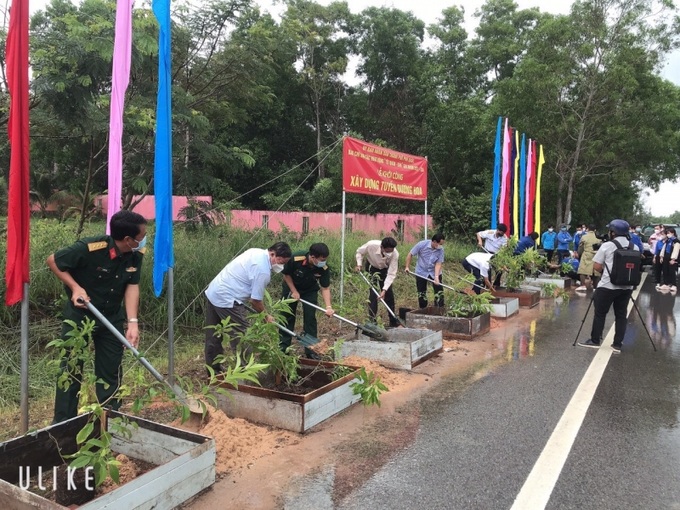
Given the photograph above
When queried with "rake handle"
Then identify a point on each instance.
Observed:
(377, 294)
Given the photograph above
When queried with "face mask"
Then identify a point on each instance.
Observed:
(277, 268)
(550, 230)
(638, 230)
(141, 244)
(321, 263)
(656, 231)
(564, 229)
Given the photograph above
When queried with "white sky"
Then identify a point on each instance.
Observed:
(662, 203)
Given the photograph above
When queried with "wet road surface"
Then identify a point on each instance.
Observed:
(476, 447)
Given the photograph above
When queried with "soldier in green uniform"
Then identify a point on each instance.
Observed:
(303, 275)
(105, 271)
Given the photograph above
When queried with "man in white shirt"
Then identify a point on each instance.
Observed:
(381, 258)
(244, 278)
(493, 240)
(608, 293)
(478, 264)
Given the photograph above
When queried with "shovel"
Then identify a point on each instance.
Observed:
(370, 330)
(192, 404)
(440, 284)
(305, 339)
(377, 294)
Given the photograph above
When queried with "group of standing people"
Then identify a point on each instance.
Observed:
(666, 248)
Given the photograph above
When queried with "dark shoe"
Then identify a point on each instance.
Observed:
(310, 354)
(616, 349)
(589, 343)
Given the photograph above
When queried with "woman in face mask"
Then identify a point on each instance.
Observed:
(303, 276)
(660, 240)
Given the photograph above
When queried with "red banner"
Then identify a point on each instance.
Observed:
(374, 170)
(16, 52)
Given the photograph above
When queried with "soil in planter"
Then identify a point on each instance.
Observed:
(128, 470)
(310, 379)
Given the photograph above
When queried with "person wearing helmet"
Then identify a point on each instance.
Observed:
(607, 293)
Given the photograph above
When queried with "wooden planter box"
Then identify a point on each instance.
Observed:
(527, 298)
(563, 282)
(290, 411)
(435, 318)
(504, 307)
(185, 465)
(405, 348)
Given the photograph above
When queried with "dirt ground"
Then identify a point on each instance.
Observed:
(257, 464)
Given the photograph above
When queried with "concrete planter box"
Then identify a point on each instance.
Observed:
(504, 307)
(527, 298)
(185, 465)
(435, 318)
(405, 348)
(290, 411)
(562, 282)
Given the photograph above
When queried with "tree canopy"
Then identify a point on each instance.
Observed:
(260, 104)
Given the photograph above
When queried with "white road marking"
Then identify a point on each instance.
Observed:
(538, 487)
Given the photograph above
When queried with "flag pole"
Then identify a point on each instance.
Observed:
(24, 361)
(171, 326)
(342, 250)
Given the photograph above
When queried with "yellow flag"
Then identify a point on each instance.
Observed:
(541, 160)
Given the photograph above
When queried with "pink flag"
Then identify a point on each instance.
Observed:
(122, 50)
(528, 206)
(504, 213)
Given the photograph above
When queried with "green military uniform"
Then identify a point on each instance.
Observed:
(308, 279)
(104, 272)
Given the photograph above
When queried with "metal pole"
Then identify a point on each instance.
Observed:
(342, 251)
(426, 220)
(24, 361)
(171, 326)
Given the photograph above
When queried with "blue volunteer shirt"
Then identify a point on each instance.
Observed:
(427, 258)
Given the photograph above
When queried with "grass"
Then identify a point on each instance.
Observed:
(199, 256)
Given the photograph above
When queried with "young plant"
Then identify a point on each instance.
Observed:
(469, 305)
(369, 387)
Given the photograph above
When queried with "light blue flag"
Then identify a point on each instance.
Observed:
(496, 174)
(522, 184)
(163, 244)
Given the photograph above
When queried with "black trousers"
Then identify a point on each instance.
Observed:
(669, 272)
(561, 255)
(603, 299)
(308, 316)
(213, 344)
(549, 254)
(108, 355)
(479, 279)
(421, 286)
(373, 299)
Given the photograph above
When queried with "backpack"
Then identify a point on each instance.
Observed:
(626, 267)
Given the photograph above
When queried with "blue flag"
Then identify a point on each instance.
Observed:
(163, 244)
(522, 183)
(496, 174)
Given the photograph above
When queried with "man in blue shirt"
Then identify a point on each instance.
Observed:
(525, 243)
(563, 240)
(429, 265)
(549, 242)
(243, 279)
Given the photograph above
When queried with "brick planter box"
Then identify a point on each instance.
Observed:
(292, 411)
(504, 307)
(405, 347)
(185, 465)
(527, 298)
(435, 318)
(562, 282)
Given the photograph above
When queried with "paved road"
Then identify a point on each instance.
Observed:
(495, 445)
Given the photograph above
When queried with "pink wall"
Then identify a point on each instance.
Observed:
(379, 225)
(147, 207)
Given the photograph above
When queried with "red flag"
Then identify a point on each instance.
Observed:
(18, 220)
